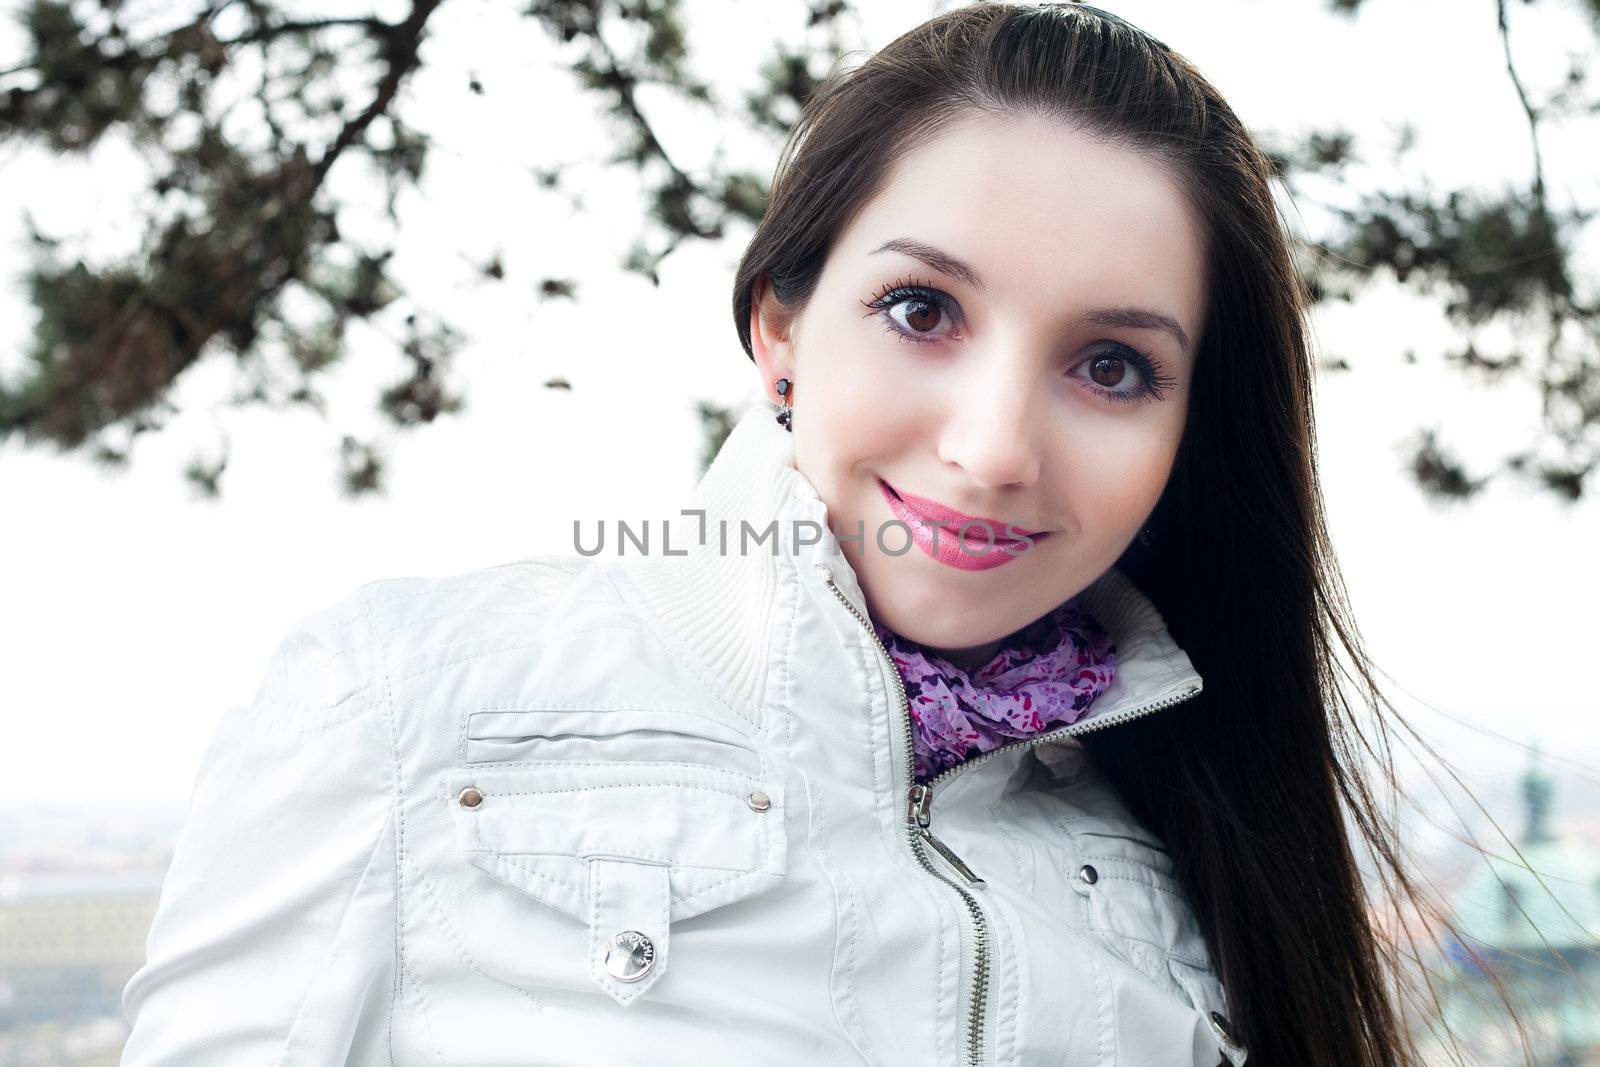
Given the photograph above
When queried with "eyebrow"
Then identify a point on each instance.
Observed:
(1103, 318)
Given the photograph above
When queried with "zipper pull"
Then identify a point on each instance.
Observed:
(919, 801)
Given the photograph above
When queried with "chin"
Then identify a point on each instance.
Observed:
(918, 628)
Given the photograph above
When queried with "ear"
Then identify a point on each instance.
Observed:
(771, 340)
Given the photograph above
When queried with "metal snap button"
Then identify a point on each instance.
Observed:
(1088, 874)
(1224, 1029)
(758, 801)
(629, 956)
(470, 797)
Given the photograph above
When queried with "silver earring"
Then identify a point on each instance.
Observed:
(786, 412)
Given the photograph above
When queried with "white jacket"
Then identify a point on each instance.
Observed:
(658, 809)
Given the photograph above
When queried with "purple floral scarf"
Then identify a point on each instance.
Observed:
(1043, 675)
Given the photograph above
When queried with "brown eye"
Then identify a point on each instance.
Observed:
(1108, 370)
(1108, 375)
(921, 315)
(915, 313)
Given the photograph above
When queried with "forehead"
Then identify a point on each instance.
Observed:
(1052, 218)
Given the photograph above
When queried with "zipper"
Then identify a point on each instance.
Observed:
(921, 798)
(919, 801)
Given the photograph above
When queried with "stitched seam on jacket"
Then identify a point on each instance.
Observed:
(656, 859)
(289, 717)
(1136, 831)
(1141, 879)
(435, 585)
(1006, 1008)
(465, 738)
(333, 953)
(1009, 1006)
(1015, 843)
(491, 765)
(535, 613)
(851, 1027)
(517, 646)
(1144, 958)
(734, 794)
(287, 721)
(1103, 1011)
(397, 799)
(568, 705)
(422, 1013)
(719, 883)
(1161, 947)
(455, 940)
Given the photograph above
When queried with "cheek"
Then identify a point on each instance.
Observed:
(1117, 478)
(849, 405)
(834, 429)
(856, 378)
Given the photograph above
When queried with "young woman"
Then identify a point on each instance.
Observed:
(980, 709)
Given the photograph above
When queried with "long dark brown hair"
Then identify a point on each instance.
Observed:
(1264, 786)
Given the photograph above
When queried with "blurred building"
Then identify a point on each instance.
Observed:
(68, 944)
(1528, 917)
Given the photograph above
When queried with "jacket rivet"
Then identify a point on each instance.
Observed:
(758, 801)
(470, 797)
(1088, 874)
(1224, 1029)
(629, 956)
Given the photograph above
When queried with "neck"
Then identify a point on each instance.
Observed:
(968, 659)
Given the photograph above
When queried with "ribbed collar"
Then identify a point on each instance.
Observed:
(722, 604)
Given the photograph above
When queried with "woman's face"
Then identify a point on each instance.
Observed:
(1007, 330)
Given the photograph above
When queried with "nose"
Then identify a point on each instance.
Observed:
(989, 429)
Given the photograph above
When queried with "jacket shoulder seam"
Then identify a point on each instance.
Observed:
(286, 703)
(397, 819)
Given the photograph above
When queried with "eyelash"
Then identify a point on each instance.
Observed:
(1155, 383)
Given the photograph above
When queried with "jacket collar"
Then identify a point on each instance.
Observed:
(723, 603)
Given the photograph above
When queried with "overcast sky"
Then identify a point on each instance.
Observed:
(132, 614)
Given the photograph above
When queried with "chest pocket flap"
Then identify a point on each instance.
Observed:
(626, 847)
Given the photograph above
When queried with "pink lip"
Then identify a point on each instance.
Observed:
(937, 530)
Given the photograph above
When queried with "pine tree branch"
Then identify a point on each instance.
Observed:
(402, 44)
(1527, 109)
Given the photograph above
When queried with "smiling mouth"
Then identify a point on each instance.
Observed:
(940, 512)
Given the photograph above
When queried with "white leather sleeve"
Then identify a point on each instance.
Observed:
(274, 938)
